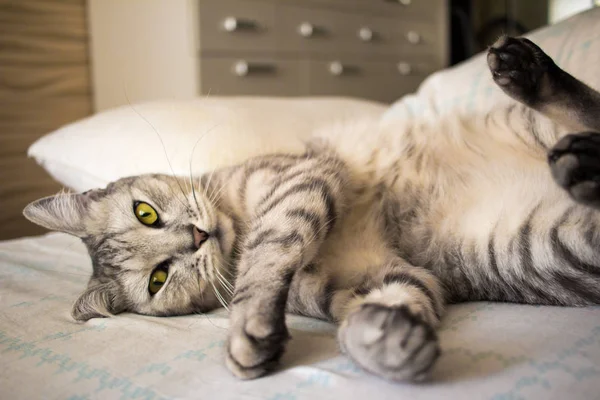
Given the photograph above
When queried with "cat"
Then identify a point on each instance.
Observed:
(373, 230)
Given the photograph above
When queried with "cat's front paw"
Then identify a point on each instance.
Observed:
(575, 165)
(519, 67)
(256, 343)
(390, 342)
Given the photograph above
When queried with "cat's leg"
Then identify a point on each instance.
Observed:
(288, 226)
(313, 293)
(527, 74)
(575, 165)
(390, 330)
(387, 323)
(530, 76)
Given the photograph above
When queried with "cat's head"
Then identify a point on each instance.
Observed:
(157, 246)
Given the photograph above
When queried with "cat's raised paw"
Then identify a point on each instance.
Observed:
(390, 342)
(520, 67)
(256, 343)
(575, 165)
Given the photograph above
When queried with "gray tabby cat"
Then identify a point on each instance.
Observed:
(377, 239)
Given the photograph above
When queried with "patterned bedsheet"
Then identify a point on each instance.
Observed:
(490, 351)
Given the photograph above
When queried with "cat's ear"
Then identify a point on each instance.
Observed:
(64, 212)
(98, 301)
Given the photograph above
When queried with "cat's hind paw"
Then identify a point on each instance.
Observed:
(390, 342)
(519, 67)
(575, 165)
(256, 343)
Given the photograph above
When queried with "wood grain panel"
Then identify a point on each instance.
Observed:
(44, 84)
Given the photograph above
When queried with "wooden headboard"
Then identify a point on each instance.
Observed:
(44, 83)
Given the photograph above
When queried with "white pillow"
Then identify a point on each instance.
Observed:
(124, 141)
(468, 88)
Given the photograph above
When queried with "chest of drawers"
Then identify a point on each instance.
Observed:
(375, 49)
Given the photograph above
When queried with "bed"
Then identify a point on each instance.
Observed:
(490, 351)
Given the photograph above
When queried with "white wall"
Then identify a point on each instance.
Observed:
(561, 9)
(138, 41)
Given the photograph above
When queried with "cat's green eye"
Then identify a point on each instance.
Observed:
(157, 280)
(145, 213)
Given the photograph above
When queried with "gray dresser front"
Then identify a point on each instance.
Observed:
(375, 49)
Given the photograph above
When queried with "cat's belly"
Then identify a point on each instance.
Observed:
(447, 218)
(356, 247)
(463, 205)
(475, 223)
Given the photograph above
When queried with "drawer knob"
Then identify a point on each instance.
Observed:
(365, 34)
(306, 29)
(244, 68)
(233, 24)
(336, 68)
(404, 68)
(403, 2)
(241, 68)
(413, 37)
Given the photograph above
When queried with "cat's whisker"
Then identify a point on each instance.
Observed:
(185, 184)
(224, 282)
(219, 296)
(229, 265)
(232, 270)
(215, 189)
(226, 268)
(191, 163)
(201, 291)
(218, 193)
(213, 198)
(217, 265)
(208, 183)
(206, 315)
(230, 291)
(217, 204)
(200, 206)
(225, 285)
(64, 192)
(214, 275)
(194, 193)
(161, 142)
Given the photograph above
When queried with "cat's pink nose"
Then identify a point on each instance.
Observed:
(199, 237)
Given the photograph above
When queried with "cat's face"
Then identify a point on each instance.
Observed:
(157, 247)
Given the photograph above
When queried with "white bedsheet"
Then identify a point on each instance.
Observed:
(490, 351)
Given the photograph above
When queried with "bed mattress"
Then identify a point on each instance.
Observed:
(490, 351)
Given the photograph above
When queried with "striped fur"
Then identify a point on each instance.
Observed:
(375, 232)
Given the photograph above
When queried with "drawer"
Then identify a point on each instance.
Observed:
(394, 36)
(236, 25)
(311, 30)
(320, 31)
(425, 10)
(252, 76)
(382, 81)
